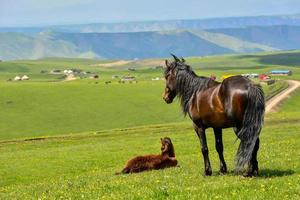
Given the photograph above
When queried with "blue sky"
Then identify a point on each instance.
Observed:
(50, 12)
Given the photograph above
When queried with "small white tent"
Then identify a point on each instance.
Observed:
(24, 78)
(17, 78)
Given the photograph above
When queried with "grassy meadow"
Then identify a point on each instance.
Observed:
(65, 140)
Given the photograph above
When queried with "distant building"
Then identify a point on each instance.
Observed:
(263, 77)
(281, 73)
(253, 75)
(24, 78)
(68, 71)
(17, 78)
(129, 79)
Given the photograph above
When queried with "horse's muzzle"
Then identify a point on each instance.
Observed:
(168, 100)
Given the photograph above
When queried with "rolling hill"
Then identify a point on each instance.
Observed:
(282, 37)
(153, 39)
(122, 45)
(142, 26)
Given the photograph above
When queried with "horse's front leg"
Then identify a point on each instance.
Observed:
(202, 137)
(219, 148)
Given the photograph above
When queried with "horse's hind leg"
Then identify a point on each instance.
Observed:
(219, 148)
(253, 168)
(201, 134)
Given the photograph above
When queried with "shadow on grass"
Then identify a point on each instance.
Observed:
(263, 173)
(269, 173)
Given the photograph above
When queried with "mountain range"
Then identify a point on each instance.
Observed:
(153, 39)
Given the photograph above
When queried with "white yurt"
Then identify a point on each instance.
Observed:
(24, 78)
(17, 78)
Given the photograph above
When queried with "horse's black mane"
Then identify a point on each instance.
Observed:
(187, 82)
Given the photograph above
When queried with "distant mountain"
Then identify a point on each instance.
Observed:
(193, 24)
(20, 46)
(153, 38)
(122, 45)
(280, 37)
(143, 44)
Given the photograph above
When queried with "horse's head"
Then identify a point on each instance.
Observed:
(170, 73)
(167, 147)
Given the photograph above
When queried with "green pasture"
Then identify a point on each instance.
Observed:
(82, 166)
(65, 140)
(145, 69)
(46, 105)
(43, 109)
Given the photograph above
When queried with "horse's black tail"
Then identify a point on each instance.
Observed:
(251, 126)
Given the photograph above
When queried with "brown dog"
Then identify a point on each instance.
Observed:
(150, 162)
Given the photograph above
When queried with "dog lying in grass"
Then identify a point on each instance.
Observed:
(153, 162)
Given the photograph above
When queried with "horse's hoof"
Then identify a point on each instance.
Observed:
(223, 170)
(251, 173)
(208, 172)
(255, 173)
(247, 175)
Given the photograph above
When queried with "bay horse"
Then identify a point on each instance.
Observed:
(236, 102)
(152, 162)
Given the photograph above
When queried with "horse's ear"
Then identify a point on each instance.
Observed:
(167, 63)
(175, 57)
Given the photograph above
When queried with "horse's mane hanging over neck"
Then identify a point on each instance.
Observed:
(188, 83)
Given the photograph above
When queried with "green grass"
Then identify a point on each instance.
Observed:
(62, 108)
(272, 90)
(45, 109)
(45, 106)
(82, 166)
(65, 140)
(218, 65)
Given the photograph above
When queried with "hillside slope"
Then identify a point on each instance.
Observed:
(122, 45)
(280, 37)
(20, 46)
(141, 26)
(143, 44)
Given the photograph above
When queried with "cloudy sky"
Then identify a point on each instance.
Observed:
(51, 12)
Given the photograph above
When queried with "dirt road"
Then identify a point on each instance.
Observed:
(273, 102)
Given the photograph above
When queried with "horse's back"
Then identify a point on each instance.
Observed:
(236, 82)
(234, 93)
